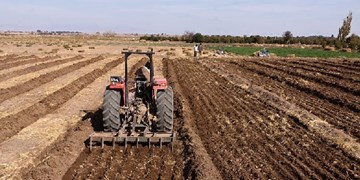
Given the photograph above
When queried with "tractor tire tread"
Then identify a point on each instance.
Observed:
(111, 106)
(165, 108)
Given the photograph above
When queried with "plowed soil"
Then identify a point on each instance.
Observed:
(38, 67)
(225, 129)
(24, 60)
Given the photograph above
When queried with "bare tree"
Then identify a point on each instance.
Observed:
(187, 36)
(344, 30)
(109, 34)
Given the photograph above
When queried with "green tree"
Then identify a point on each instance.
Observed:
(197, 38)
(354, 42)
(344, 30)
(287, 36)
(338, 44)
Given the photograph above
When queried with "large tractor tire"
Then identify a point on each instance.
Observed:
(111, 106)
(164, 110)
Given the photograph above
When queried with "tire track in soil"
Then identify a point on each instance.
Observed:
(129, 163)
(50, 103)
(223, 147)
(344, 119)
(42, 79)
(38, 67)
(27, 61)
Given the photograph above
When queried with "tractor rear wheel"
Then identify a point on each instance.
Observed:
(111, 106)
(164, 110)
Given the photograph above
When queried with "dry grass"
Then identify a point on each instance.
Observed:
(170, 53)
(66, 46)
(188, 53)
(329, 48)
(53, 51)
(291, 55)
(346, 50)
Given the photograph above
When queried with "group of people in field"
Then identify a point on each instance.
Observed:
(198, 49)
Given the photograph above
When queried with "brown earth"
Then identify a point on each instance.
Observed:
(50, 103)
(38, 67)
(28, 60)
(225, 130)
(33, 83)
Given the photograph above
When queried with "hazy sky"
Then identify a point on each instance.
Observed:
(234, 17)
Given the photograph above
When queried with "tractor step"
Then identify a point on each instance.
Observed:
(113, 138)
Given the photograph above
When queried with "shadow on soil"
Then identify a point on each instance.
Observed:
(95, 119)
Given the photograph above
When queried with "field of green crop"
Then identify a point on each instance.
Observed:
(283, 52)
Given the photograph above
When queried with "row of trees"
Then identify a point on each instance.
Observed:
(343, 40)
(352, 41)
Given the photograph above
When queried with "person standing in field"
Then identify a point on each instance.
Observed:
(200, 48)
(196, 49)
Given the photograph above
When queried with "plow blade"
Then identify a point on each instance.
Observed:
(100, 138)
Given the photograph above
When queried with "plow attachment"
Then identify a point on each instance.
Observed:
(113, 138)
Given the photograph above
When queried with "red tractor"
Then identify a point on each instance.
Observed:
(142, 114)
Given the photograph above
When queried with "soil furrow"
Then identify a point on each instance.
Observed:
(198, 163)
(25, 100)
(203, 76)
(330, 95)
(42, 79)
(319, 82)
(72, 146)
(21, 79)
(253, 154)
(13, 58)
(343, 118)
(333, 170)
(27, 61)
(132, 163)
(38, 67)
(50, 103)
(335, 64)
(334, 72)
(4, 57)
